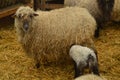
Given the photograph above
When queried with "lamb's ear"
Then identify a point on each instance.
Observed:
(35, 14)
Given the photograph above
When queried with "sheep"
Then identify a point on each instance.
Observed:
(47, 35)
(110, 9)
(90, 77)
(115, 14)
(84, 57)
(99, 9)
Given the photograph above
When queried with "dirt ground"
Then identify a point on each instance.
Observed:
(15, 65)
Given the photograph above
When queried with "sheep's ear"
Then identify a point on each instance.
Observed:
(35, 14)
(13, 16)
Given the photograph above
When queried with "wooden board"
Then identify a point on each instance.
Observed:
(43, 5)
(12, 9)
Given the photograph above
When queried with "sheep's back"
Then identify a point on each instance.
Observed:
(92, 7)
(80, 54)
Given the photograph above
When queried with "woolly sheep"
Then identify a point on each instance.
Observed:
(90, 77)
(99, 9)
(47, 35)
(115, 15)
(110, 9)
(83, 57)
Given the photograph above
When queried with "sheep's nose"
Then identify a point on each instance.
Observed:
(25, 26)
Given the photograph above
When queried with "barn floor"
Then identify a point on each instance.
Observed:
(15, 65)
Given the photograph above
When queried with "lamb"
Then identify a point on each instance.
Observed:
(100, 9)
(46, 36)
(90, 77)
(84, 57)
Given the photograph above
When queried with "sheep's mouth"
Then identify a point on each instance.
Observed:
(25, 26)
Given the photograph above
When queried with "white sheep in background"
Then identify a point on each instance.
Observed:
(90, 77)
(115, 14)
(84, 57)
(47, 35)
(101, 10)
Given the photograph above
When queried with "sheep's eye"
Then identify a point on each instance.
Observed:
(19, 16)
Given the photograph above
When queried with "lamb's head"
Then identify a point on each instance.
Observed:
(24, 17)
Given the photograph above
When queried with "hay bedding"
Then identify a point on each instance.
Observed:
(15, 65)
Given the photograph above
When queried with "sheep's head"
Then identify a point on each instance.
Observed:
(25, 15)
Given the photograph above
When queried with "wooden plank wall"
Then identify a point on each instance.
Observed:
(41, 4)
(12, 9)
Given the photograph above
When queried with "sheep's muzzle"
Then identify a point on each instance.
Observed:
(26, 25)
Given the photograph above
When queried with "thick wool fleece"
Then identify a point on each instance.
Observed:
(51, 34)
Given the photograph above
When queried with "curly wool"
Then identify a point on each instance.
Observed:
(53, 32)
(92, 7)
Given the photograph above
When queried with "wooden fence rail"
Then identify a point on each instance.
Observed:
(12, 9)
(36, 4)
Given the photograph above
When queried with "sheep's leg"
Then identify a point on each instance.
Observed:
(100, 24)
(93, 65)
(95, 70)
(77, 71)
(81, 68)
(96, 35)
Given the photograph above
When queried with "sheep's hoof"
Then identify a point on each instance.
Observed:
(37, 65)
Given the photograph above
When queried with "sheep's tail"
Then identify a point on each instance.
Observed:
(93, 65)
